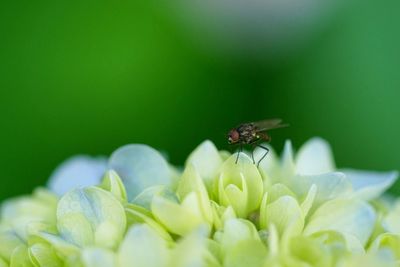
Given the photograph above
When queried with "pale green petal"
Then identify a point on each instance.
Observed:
(42, 254)
(221, 214)
(236, 231)
(19, 212)
(9, 241)
(207, 161)
(112, 183)
(347, 216)
(191, 183)
(368, 185)
(137, 214)
(91, 216)
(140, 167)
(263, 212)
(246, 253)
(78, 171)
(287, 162)
(176, 218)
(315, 157)
(242, 181)
(143, 247)
(192, 250)
(386, 243)
(368, 260)
(278, 190)
(273, 240)
(145, 198)
(63, 248)
(309, 200)
(224, 154)
(285, 213)
(20, 257)
(3, 263)
(391, 222)
(329, 186)
(98, 257)
(304, 251)
(341, 243)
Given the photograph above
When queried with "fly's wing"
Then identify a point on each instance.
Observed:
(269, 124)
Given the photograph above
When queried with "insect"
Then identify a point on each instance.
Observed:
(253, 133)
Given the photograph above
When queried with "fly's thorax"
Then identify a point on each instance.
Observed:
(247, 133)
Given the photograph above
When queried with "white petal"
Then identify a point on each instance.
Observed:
(314, 157)
(329, 186)
(206, 159)
(140, 167)
(98, 257)
(78, 171)
(287, 159)
(143, 247)
(91, 216)
(347, 216)
(368, 185)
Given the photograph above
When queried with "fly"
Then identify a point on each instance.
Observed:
(253, 133)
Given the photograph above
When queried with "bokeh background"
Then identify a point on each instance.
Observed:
(85, 77)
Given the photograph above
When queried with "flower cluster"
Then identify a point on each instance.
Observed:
(297, 210)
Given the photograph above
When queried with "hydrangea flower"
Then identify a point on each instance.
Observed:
(297, 210)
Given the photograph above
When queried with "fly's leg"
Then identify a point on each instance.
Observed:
(252, 155)
(240, 151)
(265, 137)
(266, 153)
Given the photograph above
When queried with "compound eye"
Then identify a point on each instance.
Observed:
(234, 135)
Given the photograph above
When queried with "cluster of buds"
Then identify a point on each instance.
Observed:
(136, 209)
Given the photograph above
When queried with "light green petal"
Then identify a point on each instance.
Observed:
(305, 251)
(98, 257)
(246, 253)
(176, 218)
(91, 216)
(329, 186)
(143, 247)
(340, 243)
(136, 214)
(386, 243)
(278, 190)
(347, 216)
(21, 211)
(3, 263)
(221, 214)
(391, 222)
(192, 250)
(9, 241)
(112, 183)
(236, 231)
(263, 212)
(140, 167)
(64, 249)
(20, 257)
(243, 181)
(309, 200)
(287, 162)
(42, 254)
(368, 260)
(368, 185)
(145, 198)
(315, 157)
(207, 161)
(190, 183)
(285, 213)
(273, 240)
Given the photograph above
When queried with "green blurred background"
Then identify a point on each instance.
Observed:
(85, 77)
